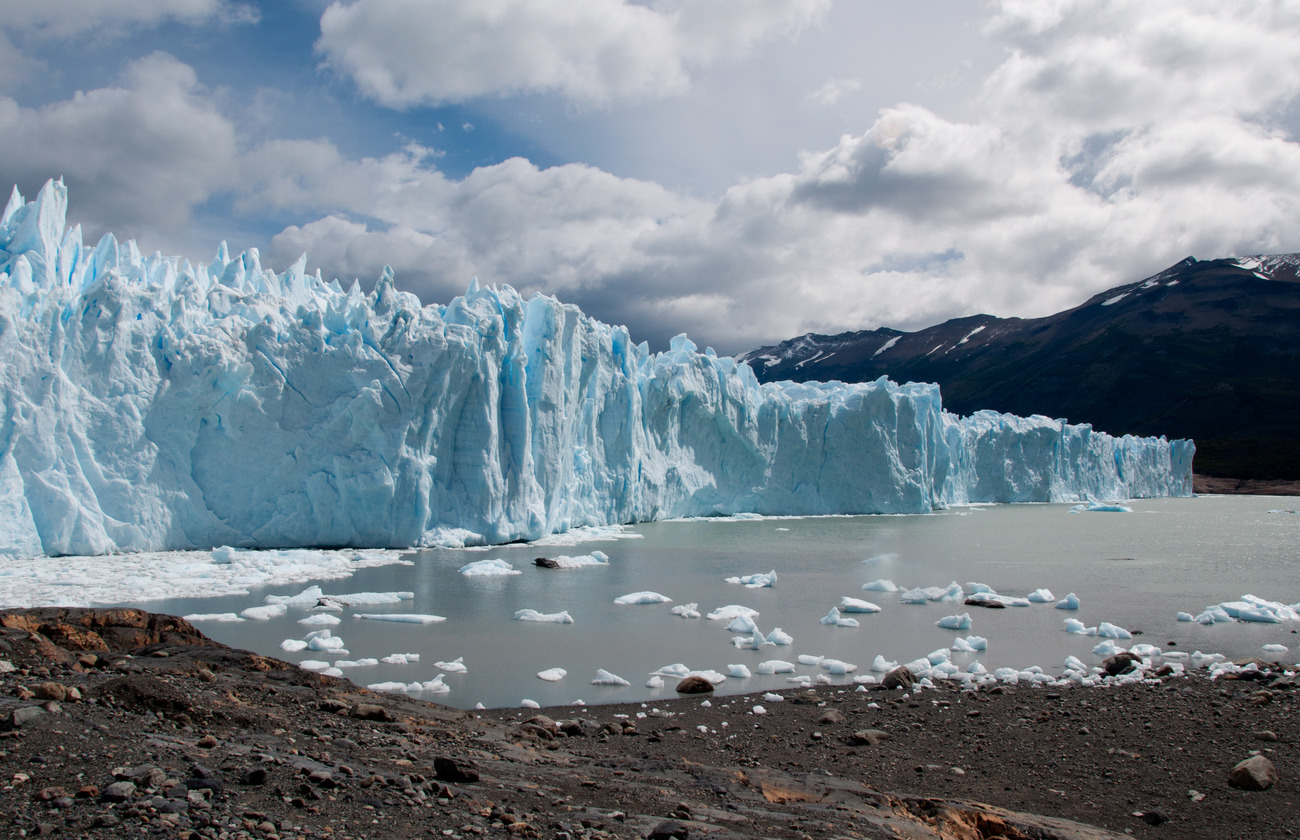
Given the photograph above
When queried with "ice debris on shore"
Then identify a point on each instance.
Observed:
(135, 380)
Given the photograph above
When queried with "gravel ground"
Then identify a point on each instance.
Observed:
(167, 734)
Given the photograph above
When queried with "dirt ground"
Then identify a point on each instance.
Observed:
(167, 734)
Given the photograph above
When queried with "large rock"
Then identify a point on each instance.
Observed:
(694, 685)
(1255, 773)
(900, 677)
(1121, 663)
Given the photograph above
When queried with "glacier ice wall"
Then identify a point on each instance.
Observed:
(149, 403)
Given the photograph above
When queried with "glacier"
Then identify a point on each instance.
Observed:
(154, 404)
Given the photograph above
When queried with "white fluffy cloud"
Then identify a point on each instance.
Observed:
(48, 19)
(410, 52)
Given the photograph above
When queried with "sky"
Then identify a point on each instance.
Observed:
(744, 171)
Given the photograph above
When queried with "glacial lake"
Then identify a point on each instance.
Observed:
(1136, 570)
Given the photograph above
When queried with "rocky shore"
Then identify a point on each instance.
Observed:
(121, 723)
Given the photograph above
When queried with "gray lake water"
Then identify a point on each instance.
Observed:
(1135, 569)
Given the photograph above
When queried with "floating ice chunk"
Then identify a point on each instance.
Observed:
(954, 622)
(779, 638)
(320, 620)
(1186, 616)
(655, 681)
(1074, 625)
(545, 618)
(934, 657)
(604, 677)
(881, 665)
(455, 666)
(312, 596)
(581, 561)
(880, 585)
(949, 594)
(857, 605)
(400, 658)
(293, 645)
(313, 665)
(834, 619)
(1040, 596)
(1145, 650)
(1074, 663)
(552, 674)
(1007, 675)
(714, 677)
(970, 643)
(1107, 648)
(838, 666)
(1069, 602)
(759, 580)
(433, 686)
(754, 641)
(265, 612)
(994, 598)
(809, 659)
(402, 618)
(774, 666)
(488, 568)
(913, 596)
(225, 617)
(677, 670)
(977, 668)
(1106, 630)
(773, 698)
(740, 672)
(529, 704)
(645, 597)
(742, 624)
(1274, 648)
(802, 680)
(1103, 507)
(731, 611)
(980, 587)
(326, 643)
(1176, 654)
(686, 610)
(1257, 614)
(355, 663)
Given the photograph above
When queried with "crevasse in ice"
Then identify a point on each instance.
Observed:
(150, 403)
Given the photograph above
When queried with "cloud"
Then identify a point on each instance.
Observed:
(138, 157)
(62, 19)
(404, 53)
(834, 90)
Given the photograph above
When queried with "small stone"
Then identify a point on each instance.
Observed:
(48, 794)
(669, 830)
(256, 776)
(207, 742)
(206, 675)
(867, 738)
(1255, 773)
(118, 792)
(830, 717)
(456, 770)
(88, 660)
(25, 716)
(543, 722)
(694, 685)
(50, 691)
(1266, 735)
(371, 711)
(900, 677)
(88, 792)
(1153, 817)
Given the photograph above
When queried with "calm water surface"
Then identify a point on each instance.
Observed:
(1134, 569)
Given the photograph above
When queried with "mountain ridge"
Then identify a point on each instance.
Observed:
(1205, 349)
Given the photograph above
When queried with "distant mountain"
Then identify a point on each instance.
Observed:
(1207, 349)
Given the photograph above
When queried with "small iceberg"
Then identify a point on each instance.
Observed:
(880, 585)
(1041, 596)
(731, 611)
(402, 618)
(544, 618)
(954, 622)
(755, 581)
(455, 666)
(320, 620)
(224, 617)
(604, 677)
(686, 610)
(779, 638)
(581, 561)
(838, 667)
(740, 672)
(488, 568)
(645, 597)
(552, 674)
(1069, 602)
(774, 666)
(742, 624)
(264, 613)
(400, 658)
(857, 605)
(834, 619)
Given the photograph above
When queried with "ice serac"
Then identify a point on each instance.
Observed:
(149, 403)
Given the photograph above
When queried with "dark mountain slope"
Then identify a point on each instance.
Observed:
(1205, 349)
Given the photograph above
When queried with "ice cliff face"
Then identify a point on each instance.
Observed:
(153, 404)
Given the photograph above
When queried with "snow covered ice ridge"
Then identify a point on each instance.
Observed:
(154, 404)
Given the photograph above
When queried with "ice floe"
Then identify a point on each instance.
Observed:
(552, 674)
(221, 617)
(758, 580)
(857, 605)
(402, 618)
(691, 610)
(400, 658)
(1041, 596)
(580, 561)
(604, 677)
(731, 611)
(1069, 602)
(454, 666)
(739, 672)
(266, 612)
(954, 622)
(880, 585)
(488, 568)
(644, 597)
(779, 637)
(545, 618)
(834, 619)
(774, 666)
(320, 620)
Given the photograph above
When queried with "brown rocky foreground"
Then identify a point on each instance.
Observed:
(121, 723)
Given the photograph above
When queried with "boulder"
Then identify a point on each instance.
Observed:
(1255, 773)
(900, 677)
(694, 685)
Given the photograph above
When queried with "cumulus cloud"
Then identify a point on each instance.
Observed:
(137, 156)
(404, 53)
